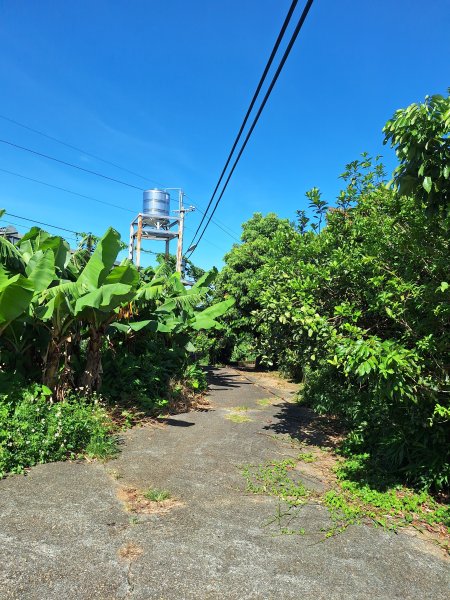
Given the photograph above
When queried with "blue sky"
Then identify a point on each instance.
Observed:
(161, 88)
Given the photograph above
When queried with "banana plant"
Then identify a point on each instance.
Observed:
(16, 293)
(98, 308)
(174, 310)
(92, 301)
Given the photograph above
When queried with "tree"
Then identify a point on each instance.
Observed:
(420, 136)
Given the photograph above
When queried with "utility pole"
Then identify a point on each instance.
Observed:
(138, 242)
(183, 211)
(180, 240)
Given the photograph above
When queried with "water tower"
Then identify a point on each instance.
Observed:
(156, 223)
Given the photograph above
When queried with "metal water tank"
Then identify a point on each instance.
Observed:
(156, 207)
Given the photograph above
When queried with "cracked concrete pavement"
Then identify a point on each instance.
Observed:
(65, 532)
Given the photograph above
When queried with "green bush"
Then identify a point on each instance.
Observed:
(34, 429)
(354, 301)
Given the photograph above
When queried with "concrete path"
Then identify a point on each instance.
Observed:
(79, 531)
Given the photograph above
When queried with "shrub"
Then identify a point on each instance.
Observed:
(34, 429)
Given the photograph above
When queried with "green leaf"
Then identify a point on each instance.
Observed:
(138, 325)
(427, 184)
(205, 322)
(101, 261)
(15, 296)
(124, 274)
(219, 309)
(106, 298)
(41, 269)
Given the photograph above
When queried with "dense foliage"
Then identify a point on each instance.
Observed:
(76, 323)
(356, 302)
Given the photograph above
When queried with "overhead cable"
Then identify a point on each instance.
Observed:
(68, 191)
(85, 152)
(66, 237)
(42, 223)
(96, 157)
(57, 187)
(261, 108)
(250, 108)
(63, 162)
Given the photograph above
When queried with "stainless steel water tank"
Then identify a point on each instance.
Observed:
(156, 207)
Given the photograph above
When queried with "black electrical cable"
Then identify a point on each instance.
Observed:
(63, 162)
(57, 187)
(216, 223)
(54, 139)
(261, 108)
(62, 189)
(250, 108)
(20, 226)
(41, 223)
(96, 157)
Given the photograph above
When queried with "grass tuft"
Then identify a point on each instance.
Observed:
(264, 402)
(307, 457)
(155, 495)
(238, 418)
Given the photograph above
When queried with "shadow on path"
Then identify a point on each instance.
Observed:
(174, 422)
(302, 424)
(227, 381)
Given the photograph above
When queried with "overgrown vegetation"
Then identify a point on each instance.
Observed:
(354, 301)
(33, 429)
(348, 502)
(77, 324)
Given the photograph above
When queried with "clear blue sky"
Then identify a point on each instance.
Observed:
(161, 88)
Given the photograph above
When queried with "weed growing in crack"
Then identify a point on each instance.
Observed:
(307, 457)
(274, 479)
(264, 402)
(348, 503)
(155, 495)
(353, 502)
(236, 418)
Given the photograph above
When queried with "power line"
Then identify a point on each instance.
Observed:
(216, 223)
(22, 226)
(207, 241)
(250, 108)
(261, 108)
(70, 230)
(96, 157)
(66, 237)
(68, 191)
(42, 223)
(57, 187)
(219, 224)
(63, 162)
(54, 139)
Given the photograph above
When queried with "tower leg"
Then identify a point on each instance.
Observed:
(138, 242)
(131, 244)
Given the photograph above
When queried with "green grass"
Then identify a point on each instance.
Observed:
(354, 501)
(307, 457)
(348, 503)
(239, 408)
(155, 495)
(264, 402)
(274, 479)
(238, 418)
